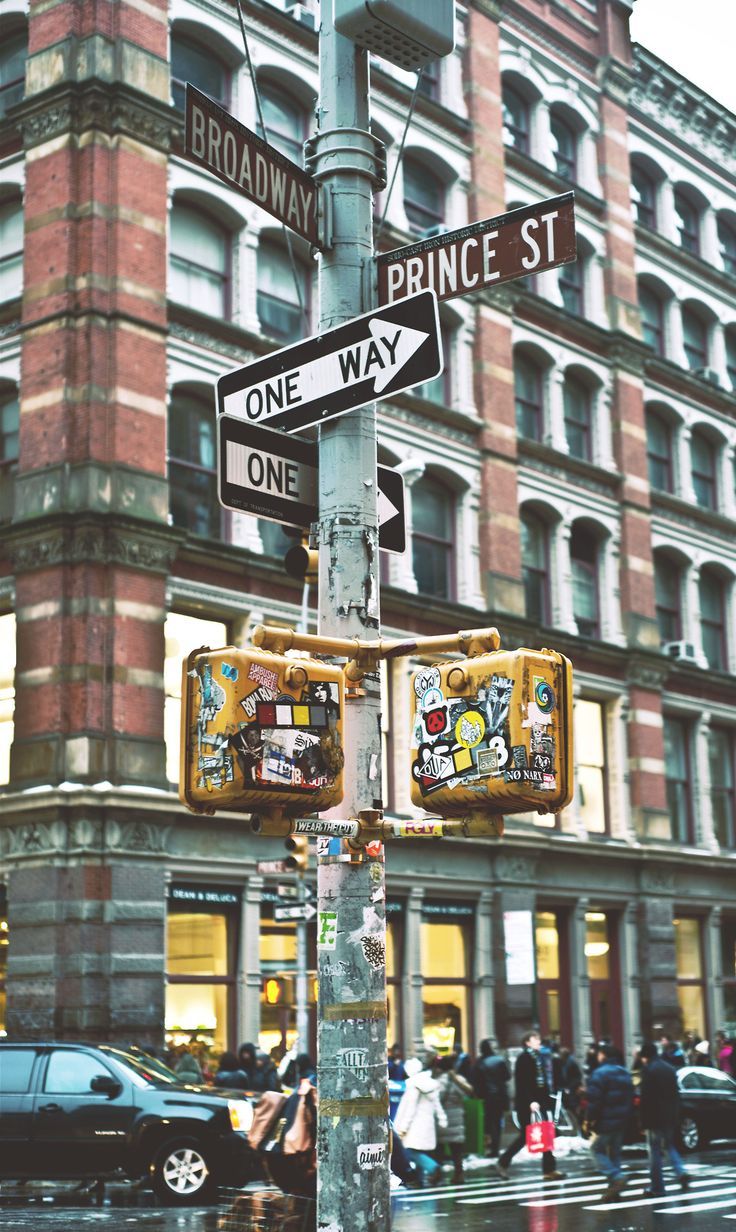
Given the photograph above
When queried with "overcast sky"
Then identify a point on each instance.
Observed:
(698, 39)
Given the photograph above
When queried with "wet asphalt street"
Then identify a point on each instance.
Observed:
(522, 1204)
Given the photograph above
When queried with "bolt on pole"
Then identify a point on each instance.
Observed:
(352, 1138)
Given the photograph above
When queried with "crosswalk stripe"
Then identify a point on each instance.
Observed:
(510, 1190)
(707, 1193)
(707, 1206)
(630, 1193)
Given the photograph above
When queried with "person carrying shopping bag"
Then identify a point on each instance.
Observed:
(417, 1117)
(533, 1098)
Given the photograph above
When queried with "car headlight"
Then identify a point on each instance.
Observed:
(241, 1115)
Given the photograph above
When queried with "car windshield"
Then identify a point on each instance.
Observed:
(143, 1070)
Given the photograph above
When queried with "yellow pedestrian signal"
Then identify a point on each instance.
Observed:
(260, 730)
(493, 734)
(298, 847)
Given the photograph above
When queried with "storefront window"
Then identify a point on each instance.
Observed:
(590, 758)
(601, 963)
(7, 692)
(446, 949)
(728, 970)
(278, 963)
(550, 938)
(690, 990)
(182, 635)
(201, 931)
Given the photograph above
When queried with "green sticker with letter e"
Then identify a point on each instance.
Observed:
(327, 930)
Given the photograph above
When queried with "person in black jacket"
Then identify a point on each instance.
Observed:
(489, 1077)
(532, 1097)
(229, 1073)
(610, 1103)
(658, 1109)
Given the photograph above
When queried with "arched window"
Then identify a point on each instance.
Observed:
(731, 355)
(439, 390)
(199, 261)
(198, 65)
(652, 318)
(535, 566)
(515, 111)
(9, 441)
(713, 619)
(668, 597)
(688, 222)
(424, 197)
(528, 385)
(564, 147)
(11, 250)
(571, 281)
(727, 246)
(643, 197)
(285, 121)
(279, 293)
(584, 561)
(703, 457)
(695, 338)
(722, 758)
(193, 499)
(578, 416)
(659, 452)
(12, 70)
(433, 537)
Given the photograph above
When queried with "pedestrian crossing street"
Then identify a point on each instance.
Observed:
(712, 1188)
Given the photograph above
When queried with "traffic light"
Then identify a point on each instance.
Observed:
(298, 847)
(493, 734)
(302, 562)
(260, 730)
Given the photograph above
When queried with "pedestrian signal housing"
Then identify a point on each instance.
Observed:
(410, 33)
(260, 730)
(493, 734)
(298, 858)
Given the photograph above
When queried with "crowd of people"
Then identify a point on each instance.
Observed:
(247, 1070)
(597, 1097)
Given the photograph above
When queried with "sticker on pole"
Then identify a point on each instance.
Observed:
(327, 930)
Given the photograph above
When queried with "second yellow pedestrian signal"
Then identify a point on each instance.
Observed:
(493, 734)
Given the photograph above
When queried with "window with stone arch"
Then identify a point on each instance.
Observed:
(192, 462)
(286, 118)
(516, 109)
(688, 213)
(585, 561)
(434, 508)
(704, 460)
(11, 248)
(530, 377)
(13, 55)
(565, 130)
(695, 335)
(713, 606)
(660, 431)
(425, 196)
(730, 339)
(727, 241)
(579, 395)
(284, 292)
(199, 260)
(652, 310)
(535, 565)
(668, 588)
(644, 190)
(197, 62)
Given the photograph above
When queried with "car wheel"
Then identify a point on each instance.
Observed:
(180, 1174)
(691, 1137)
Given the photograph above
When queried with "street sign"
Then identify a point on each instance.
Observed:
(372, 356)
(273, 866)
(524, 241)
(265, 472)
(301, 911)
(288, 891)
(215, 140)
(274, 476)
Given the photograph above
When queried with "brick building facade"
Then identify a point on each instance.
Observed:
(570, 478)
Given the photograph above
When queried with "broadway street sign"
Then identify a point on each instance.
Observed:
(217, 141)
(372, 356)
(275, 476)
(524, 241)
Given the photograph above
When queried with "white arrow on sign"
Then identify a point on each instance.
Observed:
(385, 508)
(382, 356)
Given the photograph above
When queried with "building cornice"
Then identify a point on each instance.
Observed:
(686, 112)
(65, 539)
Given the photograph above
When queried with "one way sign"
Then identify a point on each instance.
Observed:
(372, 356)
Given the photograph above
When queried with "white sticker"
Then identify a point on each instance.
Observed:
(371, 1155)
(427, 678)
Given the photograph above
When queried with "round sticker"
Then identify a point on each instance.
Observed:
(427, 678)
(470, 729)
(432, 698)
(544, 695)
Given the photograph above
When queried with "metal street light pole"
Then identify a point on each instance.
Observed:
(352, 1139)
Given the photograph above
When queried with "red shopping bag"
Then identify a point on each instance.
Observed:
(540, 1137)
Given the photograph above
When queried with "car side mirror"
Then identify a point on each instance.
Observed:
(105, 1084)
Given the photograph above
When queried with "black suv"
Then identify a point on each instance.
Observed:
(80, 1111)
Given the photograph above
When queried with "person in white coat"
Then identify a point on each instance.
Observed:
(417, 1117)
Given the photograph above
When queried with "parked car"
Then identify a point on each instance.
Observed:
(707, 1106)
(81, 1111)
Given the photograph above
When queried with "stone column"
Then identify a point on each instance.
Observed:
(555, 428)
(562, 608)
(710, 246)
(414, 983)
(715, 1006)
(249, 970)
(401, 566)
(718, 360)
(691, 613)
(582, 1028)
(485, 984)
(660, 1008)
(685, 487)
(666, 216)
(675, 348)
(630, 980)
(705, 835)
